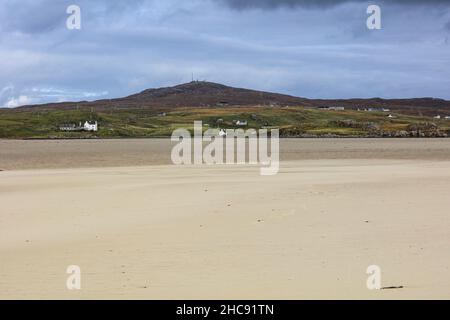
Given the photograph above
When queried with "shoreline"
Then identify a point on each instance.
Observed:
(281, 137)
(85, 153)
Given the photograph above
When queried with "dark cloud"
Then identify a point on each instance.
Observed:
(40, 16)
(31, 16)
(273, 4)
(128, 46)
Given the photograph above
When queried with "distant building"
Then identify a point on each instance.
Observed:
(241, 123)
(90, 126)
(447, 118)
(87, 126)
(437, 117)
(372, 109)
(68, 127)
(162, 114)
(222, 104)
(332, 108)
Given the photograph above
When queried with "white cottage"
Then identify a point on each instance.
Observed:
(241, 123)
(90, 126)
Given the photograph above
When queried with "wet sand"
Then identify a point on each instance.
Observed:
(146, 231)
(45, 154)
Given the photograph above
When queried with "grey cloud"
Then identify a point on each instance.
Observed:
(40, 16)
(31, 16)
(128, 46)
(273, 4)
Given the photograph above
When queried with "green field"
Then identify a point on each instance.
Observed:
(292, 122)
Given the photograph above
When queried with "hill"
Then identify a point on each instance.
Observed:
(201, 94)
(157, 112)
(192, 94)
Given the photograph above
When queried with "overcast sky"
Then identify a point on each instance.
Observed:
(314, 49)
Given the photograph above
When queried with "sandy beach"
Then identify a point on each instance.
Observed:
(141, 228)
(50, 154)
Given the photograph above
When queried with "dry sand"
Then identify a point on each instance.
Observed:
(167, 232)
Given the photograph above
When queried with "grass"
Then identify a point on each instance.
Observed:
(147, 122)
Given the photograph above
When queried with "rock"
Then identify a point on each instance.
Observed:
(401, 134)
(371, 126)
(425, 129)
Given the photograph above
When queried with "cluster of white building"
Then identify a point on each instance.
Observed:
(87, 126)
(374, 109)
(332, 108)
(439, 117)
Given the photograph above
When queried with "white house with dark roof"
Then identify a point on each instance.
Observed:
(90, 126)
